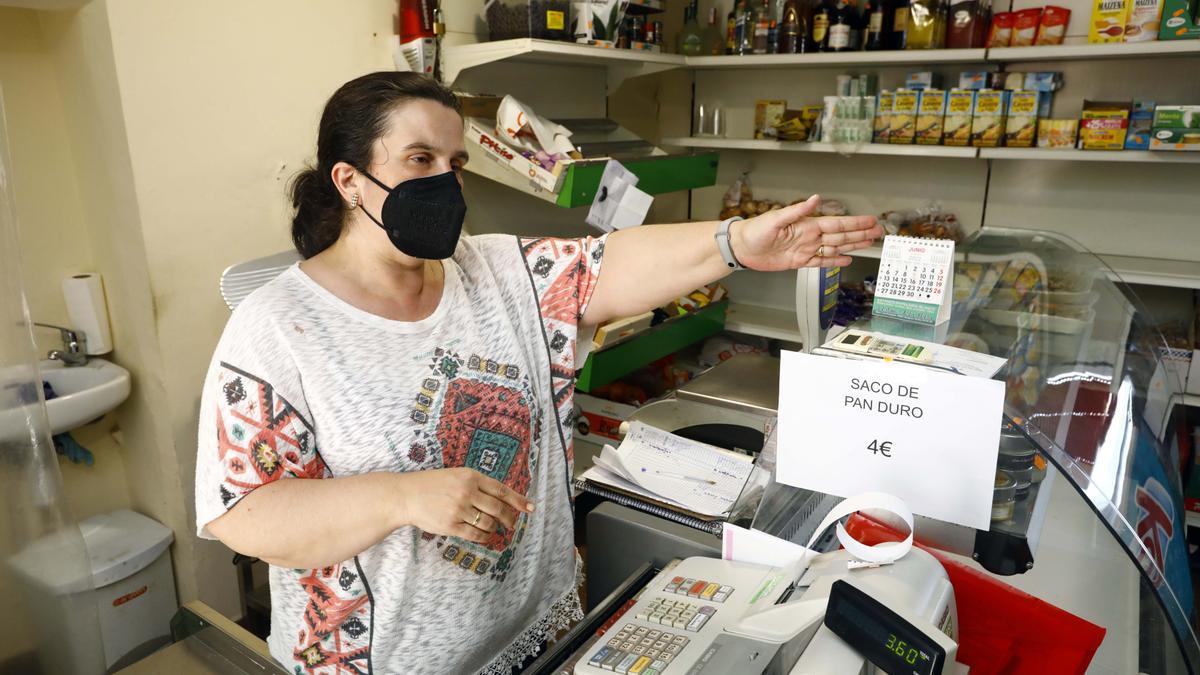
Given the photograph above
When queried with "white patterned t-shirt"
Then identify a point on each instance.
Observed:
(304, 385)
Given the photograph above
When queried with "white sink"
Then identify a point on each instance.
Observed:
(84, 392)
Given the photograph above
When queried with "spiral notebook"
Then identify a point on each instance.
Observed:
(916, 277)
(707, 524)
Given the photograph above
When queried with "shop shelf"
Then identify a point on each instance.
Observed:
(717, 143)
(768, 322)
(621, 63)
(832, 59)
(656, 175)
(645, 6)
(1071, 155)
(666, 338)
(1153, 271)
(1090, 52)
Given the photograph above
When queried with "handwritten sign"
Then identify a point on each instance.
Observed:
(929, 438)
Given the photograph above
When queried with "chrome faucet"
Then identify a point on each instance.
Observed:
(74, 352)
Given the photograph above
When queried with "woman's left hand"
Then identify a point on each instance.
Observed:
(791, 238)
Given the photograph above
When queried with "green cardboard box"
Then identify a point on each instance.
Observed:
(1180, 20)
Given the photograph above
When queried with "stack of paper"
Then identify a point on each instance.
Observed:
(851, 345)
(663, 467)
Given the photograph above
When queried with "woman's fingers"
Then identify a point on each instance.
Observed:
(853, 246)
(495, 488)
(479, 520)
(465, 531)
(846, 238)
(834, 224)
(495, 508)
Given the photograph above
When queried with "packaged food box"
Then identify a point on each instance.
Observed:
(987, 124)
(1047, 81)
(923, 80)
(902, 125)
(1053, 27)
(1141, 118)
(1181, 20)
(976, 80)
(1175, 139)
(960, 107)
(1020, 130)
(767, 114)
(1104, 125)
(1001, 30)
(1057, 134)
(883, 117)
(480, 135)
(1177, 116)
(1145, 16)
(1108, 20)
(1025, 27)
(931, 111)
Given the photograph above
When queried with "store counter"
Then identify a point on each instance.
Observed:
(207, 643)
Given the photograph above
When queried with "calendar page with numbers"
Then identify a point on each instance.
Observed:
(915, 279)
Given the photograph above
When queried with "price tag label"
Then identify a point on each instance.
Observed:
(929, 438)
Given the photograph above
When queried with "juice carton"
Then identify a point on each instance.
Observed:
(931, 111)
(960, 107)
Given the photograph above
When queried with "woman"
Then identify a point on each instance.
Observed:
(387, 422)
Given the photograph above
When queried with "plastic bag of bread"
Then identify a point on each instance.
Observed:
(930, 220)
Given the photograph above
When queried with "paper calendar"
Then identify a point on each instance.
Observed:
(915, 280)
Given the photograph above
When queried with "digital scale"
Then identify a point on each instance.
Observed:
(710, 616)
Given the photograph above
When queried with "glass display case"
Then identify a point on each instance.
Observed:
(1096, 526)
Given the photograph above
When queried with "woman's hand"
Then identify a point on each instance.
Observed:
(460, 502)
(790, 238)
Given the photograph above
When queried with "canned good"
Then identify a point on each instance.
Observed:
(1016, 459)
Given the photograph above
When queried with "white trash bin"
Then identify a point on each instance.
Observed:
(135, 587)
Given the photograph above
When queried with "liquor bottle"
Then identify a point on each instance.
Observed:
(762, 28)
(731, 31)
(899, 34)
(714, 43)
(747, 23)
(875, 19)
(822, 16)
(790, 40)
(842, 24)
(691, 40)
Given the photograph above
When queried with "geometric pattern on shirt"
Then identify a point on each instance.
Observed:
(335, 638)
(563, 273)
(260, 436)
(477, 413)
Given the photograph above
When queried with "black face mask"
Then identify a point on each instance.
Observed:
(423, 216)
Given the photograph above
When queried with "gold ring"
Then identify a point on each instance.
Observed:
(476, 521)
(821, 251)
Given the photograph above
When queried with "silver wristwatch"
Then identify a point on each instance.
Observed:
(722, 237)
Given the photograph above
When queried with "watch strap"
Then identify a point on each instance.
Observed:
(723, 245)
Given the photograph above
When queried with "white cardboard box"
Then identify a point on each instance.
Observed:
(598, 420)
(481, 138)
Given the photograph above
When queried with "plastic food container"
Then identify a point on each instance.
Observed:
(542, 19)
(1004, 498)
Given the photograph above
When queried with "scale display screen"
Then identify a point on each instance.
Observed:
(882, 637)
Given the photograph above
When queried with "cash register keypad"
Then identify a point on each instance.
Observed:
(698, 588)
(637, 650)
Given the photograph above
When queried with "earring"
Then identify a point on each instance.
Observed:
(354, 201)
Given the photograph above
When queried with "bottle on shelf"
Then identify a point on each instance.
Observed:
(731, 31)
(926, 28)
(873, 20)
(746, 25)
(791, 34)
(841, 28)
(762, 28)
(899, 34)
(714, 42)
(691, 38)
(822, 17)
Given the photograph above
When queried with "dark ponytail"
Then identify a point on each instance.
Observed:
(354, 118)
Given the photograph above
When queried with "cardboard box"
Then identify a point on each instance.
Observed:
(1141, 119)
(1180, 20)
(1144, 22)
(482, 140)
(1104, 125)
(767, 114)
(903, 123)
(1177, 116)
(987, 124)
(1057, 134)
(960, 107)
(883, 117)
(1108, 20)
(1020, 130)
(479, 106)
(922, 80)
(976, 80)
(931, 113)
(1177, 139)
(599, 420)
